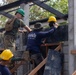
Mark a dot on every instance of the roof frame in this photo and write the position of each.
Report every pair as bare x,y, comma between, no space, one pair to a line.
58,14
37,2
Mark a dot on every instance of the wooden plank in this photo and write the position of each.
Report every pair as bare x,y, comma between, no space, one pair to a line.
50,44
38,67
73,52
74,73
42,63
58,48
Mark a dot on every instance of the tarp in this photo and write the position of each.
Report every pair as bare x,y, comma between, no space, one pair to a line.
54,63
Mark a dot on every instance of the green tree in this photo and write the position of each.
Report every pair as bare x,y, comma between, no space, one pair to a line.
60,5
37,12
3,18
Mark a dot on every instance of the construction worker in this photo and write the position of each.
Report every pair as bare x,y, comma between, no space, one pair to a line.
51,39
5,58
52,20
34,43
10,36
54,37
60,34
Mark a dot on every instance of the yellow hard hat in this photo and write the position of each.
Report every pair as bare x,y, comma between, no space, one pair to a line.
6,54
52,18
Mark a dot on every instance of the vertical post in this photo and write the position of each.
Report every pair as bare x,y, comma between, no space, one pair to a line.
75,24
26,21
75,32
26,9
71,34
23,69
26,18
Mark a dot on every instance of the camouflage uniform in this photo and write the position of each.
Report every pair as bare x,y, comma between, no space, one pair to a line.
10,36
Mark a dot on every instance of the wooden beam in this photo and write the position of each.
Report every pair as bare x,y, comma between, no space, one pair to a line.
58,48
74,73
73,52
50,44
38,67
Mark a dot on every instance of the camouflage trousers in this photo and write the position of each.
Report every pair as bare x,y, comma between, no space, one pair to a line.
38,58
9,43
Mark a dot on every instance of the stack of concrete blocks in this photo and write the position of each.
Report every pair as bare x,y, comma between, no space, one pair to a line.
21,47
66,57
1,40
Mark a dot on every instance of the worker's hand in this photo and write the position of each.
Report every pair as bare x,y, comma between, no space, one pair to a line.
56,25
21,31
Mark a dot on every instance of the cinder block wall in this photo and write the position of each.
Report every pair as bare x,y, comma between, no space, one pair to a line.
64,50
66,57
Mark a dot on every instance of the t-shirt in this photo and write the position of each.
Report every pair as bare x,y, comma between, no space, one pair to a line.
35,37
17,23
4,70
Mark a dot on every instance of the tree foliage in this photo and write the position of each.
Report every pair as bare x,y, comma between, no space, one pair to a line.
38,13
60,5
3,18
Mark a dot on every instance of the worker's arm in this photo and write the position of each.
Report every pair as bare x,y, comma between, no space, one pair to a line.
27,28
48,32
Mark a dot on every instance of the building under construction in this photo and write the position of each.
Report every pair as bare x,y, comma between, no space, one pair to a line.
65,47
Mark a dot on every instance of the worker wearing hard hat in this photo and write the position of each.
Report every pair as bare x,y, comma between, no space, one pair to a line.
52,21
52,18
10,35
5,58
34,41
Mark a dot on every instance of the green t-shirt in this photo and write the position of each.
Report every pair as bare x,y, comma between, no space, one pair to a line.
17,24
